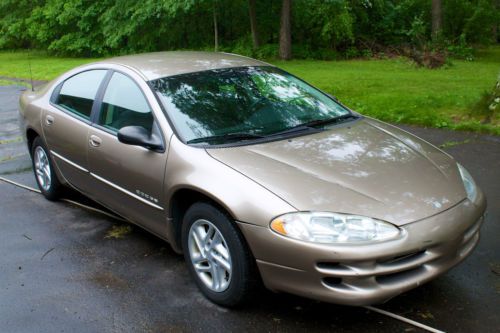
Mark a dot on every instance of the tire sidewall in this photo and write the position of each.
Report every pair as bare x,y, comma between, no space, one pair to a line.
239,260
53,192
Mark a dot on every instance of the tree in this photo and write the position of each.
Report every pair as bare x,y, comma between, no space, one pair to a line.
285,48
322,29
496,6
437,18
253,23
216,30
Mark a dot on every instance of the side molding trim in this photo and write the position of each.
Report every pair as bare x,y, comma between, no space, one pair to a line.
125,191
68,161
107,182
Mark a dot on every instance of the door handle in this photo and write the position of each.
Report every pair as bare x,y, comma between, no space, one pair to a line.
49,120
95,141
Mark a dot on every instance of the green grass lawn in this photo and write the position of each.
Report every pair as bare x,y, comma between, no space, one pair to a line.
44,67
397,91
393,90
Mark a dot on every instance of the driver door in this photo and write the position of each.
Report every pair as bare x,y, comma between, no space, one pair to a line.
128,179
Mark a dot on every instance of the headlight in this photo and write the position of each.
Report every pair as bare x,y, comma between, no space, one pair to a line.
469,184
333,228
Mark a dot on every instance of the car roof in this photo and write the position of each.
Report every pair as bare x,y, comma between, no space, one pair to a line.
161,64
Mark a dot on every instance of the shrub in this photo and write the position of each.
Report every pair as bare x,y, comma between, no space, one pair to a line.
489,104
461,50
267,51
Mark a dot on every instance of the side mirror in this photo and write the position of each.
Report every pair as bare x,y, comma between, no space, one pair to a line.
139,136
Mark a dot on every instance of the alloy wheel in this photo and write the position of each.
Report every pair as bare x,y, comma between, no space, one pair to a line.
42,168
210,255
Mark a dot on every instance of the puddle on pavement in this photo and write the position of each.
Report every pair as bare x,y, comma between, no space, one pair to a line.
108,280
13,152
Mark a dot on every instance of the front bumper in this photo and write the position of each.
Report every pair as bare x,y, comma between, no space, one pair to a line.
367,274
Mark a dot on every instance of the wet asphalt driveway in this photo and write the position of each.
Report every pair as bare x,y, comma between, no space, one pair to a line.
66,269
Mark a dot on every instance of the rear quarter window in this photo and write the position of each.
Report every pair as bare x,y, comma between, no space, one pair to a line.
78,93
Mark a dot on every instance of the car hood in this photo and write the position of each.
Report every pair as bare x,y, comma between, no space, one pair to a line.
365,168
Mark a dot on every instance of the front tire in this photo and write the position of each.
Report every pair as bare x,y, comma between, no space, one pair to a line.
43,168
217,255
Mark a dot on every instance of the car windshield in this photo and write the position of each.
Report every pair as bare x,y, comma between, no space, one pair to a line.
243,103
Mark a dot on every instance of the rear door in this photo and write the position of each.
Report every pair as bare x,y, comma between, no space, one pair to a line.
128,179
66,123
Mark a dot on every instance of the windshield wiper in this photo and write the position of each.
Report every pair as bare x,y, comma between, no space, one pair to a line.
334,120
313,124
297,128
308,126
226,136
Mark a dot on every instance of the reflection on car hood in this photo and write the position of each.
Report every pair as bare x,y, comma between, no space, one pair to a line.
368,168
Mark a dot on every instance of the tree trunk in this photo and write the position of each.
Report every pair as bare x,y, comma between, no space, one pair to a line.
216,31
437,18
494,29
253,23
185,34
285,50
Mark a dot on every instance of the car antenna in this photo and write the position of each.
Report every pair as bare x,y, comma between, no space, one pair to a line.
29,65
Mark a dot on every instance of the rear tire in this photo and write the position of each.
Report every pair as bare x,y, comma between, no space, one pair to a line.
45,176
217,256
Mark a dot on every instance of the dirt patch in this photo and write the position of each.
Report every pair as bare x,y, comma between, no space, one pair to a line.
10,157
119,231
14,140
495,268
449,144
108,280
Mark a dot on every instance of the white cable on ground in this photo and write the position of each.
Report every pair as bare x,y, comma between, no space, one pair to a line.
116,217
403,319
19,185
65,200
371,308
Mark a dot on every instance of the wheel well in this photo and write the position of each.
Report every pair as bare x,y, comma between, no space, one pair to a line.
30,137
180,203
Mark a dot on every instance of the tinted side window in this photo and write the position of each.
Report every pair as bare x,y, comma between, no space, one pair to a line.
124,104
78,92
